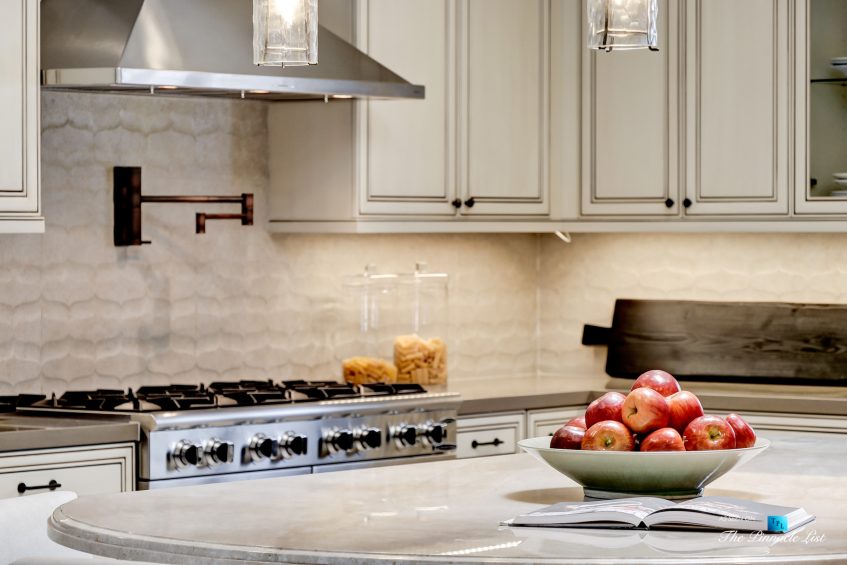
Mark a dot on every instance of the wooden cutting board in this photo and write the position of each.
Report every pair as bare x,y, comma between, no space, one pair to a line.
727,341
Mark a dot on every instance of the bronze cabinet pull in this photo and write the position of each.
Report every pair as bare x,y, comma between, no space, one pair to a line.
52,485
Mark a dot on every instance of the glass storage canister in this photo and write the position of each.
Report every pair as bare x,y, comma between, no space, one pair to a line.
420,351
369,323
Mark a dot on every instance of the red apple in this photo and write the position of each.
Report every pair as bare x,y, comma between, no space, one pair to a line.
708,432
579,422
744,434
645,410
685,406
607,407
664,439
567,437
608,435
661,381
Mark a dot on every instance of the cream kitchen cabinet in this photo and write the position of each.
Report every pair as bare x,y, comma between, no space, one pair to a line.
83,470
697,129
546,422
407,148
489,434
820,148
479,143
630,126
20,208
738,109
475,151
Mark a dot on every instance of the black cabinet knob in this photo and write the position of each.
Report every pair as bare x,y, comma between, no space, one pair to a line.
669,202
457,203
470,202
687,203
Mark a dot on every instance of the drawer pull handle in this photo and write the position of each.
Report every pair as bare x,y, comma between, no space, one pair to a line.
497,441
52,485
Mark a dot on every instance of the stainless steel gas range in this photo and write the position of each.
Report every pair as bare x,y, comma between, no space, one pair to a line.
254,429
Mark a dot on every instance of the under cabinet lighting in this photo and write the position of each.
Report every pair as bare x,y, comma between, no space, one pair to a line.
285,32
623,24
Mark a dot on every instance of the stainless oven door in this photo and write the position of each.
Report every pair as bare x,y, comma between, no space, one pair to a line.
228,477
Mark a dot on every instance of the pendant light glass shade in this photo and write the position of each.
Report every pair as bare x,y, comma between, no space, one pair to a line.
285,32
623,24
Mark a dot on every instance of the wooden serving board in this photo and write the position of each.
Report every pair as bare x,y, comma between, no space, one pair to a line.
727,341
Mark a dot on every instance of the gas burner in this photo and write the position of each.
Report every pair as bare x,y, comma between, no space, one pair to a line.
385,389
12,402
249,393
320,390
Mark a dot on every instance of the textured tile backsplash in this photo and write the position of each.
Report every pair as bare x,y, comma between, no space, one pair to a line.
580,282
240,303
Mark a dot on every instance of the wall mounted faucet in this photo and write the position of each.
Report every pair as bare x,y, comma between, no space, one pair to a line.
128,200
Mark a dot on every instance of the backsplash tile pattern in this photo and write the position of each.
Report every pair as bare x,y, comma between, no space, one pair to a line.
239,303
236,303
579,282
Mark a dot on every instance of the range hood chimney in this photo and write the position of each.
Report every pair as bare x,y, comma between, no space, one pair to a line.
194,48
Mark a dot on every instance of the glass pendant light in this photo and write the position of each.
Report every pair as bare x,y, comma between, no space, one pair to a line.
285,32
623,24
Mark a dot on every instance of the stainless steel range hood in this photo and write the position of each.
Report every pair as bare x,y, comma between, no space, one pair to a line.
196,48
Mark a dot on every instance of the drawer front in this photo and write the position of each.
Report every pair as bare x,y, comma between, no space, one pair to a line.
546,422
489,435
83,470
81,479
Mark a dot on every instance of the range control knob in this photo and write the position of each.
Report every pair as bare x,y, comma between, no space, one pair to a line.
219,451
185,454
293,444
341,440
406,435
263,447
370,438
436,433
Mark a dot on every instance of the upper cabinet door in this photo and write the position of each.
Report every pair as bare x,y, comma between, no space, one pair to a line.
19,116
406,161
504,107
821,120
738,111
630,126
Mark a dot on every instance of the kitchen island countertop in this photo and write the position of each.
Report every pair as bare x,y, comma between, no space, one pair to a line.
449,512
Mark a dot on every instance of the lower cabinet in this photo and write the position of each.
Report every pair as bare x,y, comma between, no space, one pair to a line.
498,434
491,434
83,470
546,422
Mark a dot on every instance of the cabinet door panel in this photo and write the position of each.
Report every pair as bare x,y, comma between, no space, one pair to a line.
19,116
630,127
738,85
504,120
12,92
407,162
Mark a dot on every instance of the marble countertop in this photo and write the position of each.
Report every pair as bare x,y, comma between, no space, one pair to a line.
503,394
449,512
24,432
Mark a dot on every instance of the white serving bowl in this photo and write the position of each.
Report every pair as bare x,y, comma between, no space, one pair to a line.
615,474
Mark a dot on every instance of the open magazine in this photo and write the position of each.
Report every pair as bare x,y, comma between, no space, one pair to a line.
707,512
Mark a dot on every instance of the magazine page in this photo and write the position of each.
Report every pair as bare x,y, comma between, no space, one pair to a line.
630,511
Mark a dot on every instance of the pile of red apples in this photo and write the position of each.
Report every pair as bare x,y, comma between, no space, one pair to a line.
656,415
